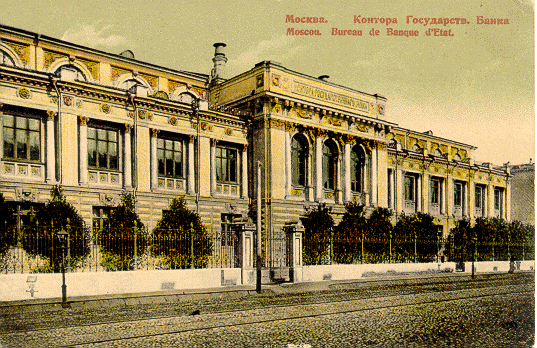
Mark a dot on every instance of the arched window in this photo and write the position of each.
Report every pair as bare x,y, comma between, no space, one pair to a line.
299,152
70,69
185,97
134,86
357,168
5,59
329,165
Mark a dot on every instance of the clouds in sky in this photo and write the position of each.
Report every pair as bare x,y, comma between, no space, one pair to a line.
280,49
94,35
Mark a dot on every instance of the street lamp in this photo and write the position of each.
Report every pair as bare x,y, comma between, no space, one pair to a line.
474,238
62,236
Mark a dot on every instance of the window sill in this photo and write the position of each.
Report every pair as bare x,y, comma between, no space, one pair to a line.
33,171
230,190
102,177
175,184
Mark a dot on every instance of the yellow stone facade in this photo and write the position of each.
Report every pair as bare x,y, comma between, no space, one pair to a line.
348,150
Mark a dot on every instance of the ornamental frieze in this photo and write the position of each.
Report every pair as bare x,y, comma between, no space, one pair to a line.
23,51
51,56
334,121
24,93
117,72
152,80
93,67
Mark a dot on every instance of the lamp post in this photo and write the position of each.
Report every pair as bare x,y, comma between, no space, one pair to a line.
474,239
62,235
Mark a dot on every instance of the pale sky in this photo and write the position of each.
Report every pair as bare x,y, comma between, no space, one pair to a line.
475,87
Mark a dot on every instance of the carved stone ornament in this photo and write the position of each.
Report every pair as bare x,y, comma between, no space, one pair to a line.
78,103
107,199
105,108
83,120
68,100
25,194
173,120
50,115
24,93
206,127
228,131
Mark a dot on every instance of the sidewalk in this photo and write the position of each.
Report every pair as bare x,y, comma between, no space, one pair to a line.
228,292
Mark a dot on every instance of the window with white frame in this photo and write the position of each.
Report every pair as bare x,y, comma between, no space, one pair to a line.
357,168
329,165
226,165
458,194
498,199
299,154
479,200
435,191
103,148
21,137
410,188
170,157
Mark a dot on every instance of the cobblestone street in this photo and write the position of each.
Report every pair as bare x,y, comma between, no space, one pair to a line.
488,312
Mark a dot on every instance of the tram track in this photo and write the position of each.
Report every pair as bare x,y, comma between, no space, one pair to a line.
295,313
349,297
352,290
341,291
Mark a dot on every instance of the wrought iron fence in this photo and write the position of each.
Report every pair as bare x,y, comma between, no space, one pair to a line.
39,250
356,249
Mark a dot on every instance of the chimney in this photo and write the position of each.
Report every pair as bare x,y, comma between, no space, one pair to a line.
219,61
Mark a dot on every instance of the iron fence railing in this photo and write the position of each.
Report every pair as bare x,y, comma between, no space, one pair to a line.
39,250
356,249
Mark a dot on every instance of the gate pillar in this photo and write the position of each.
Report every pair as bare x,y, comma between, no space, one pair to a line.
294,250
245,251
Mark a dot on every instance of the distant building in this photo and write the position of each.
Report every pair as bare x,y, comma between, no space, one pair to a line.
100,123
523,192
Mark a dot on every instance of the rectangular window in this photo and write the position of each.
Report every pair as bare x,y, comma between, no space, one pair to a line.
457,198
435,191
479,197
497,199
227,229
170,157
100,214
103,148
22,138
226,165
410,188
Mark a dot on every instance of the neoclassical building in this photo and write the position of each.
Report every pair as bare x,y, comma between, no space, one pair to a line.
100,123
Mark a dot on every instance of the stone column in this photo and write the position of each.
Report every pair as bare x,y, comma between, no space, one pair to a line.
374,176
51,152
191,178
419,199
213,166
153,159
391,189
337,184
490,200
347,173
244,172
127,163
319,169
288,171
83,150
